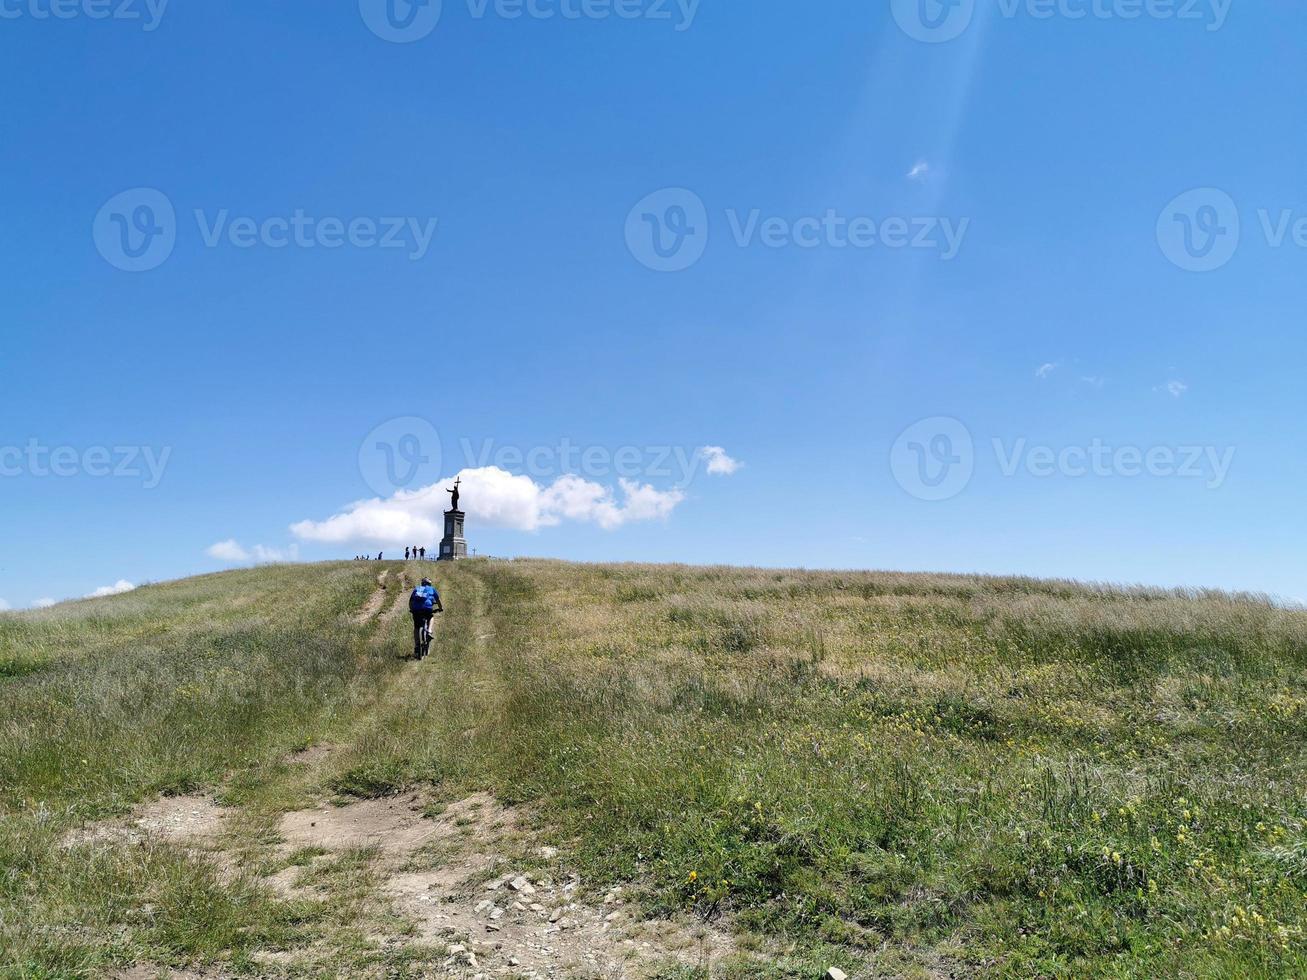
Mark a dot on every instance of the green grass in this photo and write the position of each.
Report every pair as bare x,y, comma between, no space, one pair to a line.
896,774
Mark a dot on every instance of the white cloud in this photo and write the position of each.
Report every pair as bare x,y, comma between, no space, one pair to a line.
118,588
228,550
719,463
1044,370
231,551
1176,389
495,498
43,603
919,172
1094,381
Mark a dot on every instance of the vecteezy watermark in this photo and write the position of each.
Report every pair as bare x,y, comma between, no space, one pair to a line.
405,455
300,230
401,454
406,21
35,459
938,21
678,464
401,21
935,459
1201,230
668,231
149,13
136,231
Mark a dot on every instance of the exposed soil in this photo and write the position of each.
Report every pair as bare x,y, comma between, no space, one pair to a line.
374,603
192,821
394,825
453,876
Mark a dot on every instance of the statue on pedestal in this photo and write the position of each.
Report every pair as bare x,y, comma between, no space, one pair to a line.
453,545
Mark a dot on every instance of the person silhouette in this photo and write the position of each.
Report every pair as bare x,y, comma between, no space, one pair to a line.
406,554
379,554
424,553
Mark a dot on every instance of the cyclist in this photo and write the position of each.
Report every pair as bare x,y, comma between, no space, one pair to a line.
423,603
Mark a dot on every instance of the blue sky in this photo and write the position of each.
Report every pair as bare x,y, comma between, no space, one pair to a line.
930,287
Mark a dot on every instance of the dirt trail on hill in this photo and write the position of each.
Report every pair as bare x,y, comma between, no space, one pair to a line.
452,874
400,605
467,882
374,603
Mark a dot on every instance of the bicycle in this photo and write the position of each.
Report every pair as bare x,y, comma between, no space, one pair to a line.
422,638
423,604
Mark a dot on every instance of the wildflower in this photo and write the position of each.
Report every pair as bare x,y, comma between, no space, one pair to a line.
694,876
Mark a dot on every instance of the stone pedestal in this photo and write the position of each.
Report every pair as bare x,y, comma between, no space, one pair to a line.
453,545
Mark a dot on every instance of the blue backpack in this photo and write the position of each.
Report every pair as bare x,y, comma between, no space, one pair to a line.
423,599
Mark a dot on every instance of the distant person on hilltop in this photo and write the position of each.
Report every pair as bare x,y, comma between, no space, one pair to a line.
424,553
406,554
379,554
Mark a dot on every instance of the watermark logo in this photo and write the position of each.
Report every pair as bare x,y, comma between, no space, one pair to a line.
406,21
836,231
37,460
1210,464
651,10
401,21
406,455
679,464
301,230
149,13
667,231
401,454
136,230
934,459
933,21
1199,231
937,21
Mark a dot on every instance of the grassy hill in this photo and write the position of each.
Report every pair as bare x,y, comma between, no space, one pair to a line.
899,775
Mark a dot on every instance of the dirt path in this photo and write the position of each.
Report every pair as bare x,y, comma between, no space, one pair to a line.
465,886
374,603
